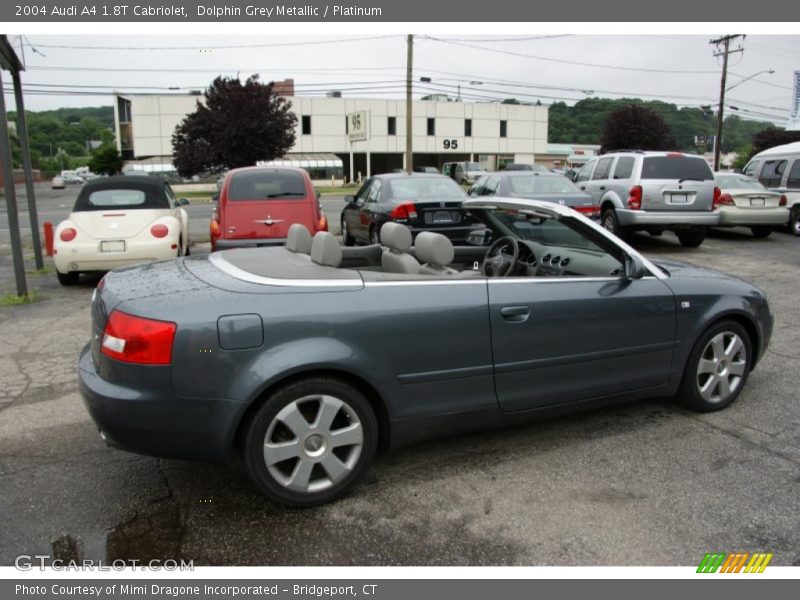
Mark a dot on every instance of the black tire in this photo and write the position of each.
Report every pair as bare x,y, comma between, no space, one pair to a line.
697,373
691,238
188,250
794,220
303,396
347,239
611,223
70,278
761,231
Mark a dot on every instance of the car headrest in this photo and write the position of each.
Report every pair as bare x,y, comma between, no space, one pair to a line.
434,249
396,237
298,239
325,249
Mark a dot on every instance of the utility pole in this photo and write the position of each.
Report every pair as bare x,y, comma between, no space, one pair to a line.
723,45
409,109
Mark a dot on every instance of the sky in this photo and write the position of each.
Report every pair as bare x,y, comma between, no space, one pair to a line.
69,70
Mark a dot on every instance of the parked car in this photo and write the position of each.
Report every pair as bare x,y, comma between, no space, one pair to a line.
308,363
534,185
425,170
256,206
58,183
778,169
422,201
118,221
652,191
463,173
526,167
743,201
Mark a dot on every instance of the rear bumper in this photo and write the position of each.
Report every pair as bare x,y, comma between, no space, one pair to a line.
86,256
454,234
224,244
157,424
667,219
753,216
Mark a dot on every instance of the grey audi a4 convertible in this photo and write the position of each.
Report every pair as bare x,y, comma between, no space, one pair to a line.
309,358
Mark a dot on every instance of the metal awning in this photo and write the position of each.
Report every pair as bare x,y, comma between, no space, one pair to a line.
304,161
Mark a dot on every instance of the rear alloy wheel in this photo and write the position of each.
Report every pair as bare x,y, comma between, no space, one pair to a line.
347,239
70,278
691,238
794,220
310,442
718,368
761,231
611,223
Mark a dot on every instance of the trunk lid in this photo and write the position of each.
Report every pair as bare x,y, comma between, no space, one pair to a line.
256,219
115,224
744,198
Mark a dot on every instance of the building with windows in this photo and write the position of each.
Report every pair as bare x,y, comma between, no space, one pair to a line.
491,133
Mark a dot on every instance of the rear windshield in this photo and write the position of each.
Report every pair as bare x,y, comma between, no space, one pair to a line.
524,185
737,181
676,167
424,188
267,185
122,197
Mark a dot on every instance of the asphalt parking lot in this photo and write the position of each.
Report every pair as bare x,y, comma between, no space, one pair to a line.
637,484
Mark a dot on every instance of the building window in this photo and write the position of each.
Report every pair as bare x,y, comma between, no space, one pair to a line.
306,125
431,126
467,127
503,128
391,126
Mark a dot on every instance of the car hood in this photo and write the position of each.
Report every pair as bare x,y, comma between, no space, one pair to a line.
699,276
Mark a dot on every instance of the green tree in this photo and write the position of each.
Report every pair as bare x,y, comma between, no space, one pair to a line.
636,127
106,160
239,124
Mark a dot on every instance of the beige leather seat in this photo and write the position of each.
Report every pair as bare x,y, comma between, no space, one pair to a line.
325,250
435,252
298,239
395,259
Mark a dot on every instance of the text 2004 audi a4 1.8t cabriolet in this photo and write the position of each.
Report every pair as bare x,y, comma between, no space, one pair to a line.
308,358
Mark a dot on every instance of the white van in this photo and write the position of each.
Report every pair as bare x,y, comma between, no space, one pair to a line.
778,169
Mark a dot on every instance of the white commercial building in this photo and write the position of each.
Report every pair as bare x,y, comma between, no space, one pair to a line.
492,133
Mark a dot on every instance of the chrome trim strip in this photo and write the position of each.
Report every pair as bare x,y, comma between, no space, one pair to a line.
481,281
444,375
223,265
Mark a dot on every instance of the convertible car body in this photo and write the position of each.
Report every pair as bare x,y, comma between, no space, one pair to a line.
309,357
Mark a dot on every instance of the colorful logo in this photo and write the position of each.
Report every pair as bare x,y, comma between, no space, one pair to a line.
734,562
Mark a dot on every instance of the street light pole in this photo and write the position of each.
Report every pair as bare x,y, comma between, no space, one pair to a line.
725,42
409,109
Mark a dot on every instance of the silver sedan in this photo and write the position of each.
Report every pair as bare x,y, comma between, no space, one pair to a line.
743,201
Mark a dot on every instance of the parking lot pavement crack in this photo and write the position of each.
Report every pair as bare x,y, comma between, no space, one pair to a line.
742,437
781,354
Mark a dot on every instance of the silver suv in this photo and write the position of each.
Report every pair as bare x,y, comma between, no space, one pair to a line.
652,191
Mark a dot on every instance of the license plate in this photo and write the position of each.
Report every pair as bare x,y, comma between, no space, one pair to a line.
756,201
112,246
679,198
442,216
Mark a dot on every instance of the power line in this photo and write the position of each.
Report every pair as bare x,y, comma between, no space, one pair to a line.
569,62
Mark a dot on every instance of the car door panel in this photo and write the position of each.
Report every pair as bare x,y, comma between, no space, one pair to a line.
353,213
562,340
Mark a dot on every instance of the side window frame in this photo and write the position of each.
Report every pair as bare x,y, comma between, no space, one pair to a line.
774,170
794,168
374,191
589,167
756,164
598,174
361,194
628,160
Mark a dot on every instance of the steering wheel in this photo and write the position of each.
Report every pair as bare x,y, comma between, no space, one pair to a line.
498,263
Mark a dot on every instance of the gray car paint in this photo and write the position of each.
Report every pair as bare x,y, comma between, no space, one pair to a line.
434,356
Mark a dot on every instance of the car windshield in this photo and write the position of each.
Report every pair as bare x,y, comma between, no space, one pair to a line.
738,182
676,166
543,230
424,188
526,185
267,184
118,198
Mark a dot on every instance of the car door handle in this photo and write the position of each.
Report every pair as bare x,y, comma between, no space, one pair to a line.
602,187
583,187
515,314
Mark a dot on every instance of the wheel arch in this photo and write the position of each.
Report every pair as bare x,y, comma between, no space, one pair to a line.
610,200
743,319
362,385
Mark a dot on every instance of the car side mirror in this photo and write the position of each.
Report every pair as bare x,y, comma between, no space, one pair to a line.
183,202
634,268
318,194
479,237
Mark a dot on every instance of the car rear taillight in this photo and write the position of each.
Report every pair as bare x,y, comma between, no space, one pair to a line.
159,231
68,234
588,211
782,201
722,199
404,211
215,230
138,340
717,194
635,198
322,225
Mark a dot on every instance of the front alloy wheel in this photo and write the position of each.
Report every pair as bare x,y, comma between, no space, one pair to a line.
794,220
310,442
718,368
